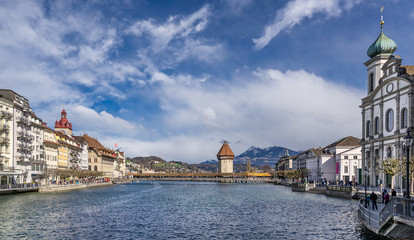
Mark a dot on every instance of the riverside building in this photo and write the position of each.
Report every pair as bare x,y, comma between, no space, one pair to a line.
70,150
100,158
51,145
24,163
6,141
387,109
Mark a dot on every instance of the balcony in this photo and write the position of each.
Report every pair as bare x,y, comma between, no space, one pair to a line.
6,168
4,127
4,140
23,120
74,154
4,114
24,158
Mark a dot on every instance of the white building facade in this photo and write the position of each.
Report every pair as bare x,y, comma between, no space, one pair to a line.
6,142
387,110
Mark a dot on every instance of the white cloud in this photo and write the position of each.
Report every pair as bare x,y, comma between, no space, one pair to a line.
85,119
174,27
236,6
295,11
264,108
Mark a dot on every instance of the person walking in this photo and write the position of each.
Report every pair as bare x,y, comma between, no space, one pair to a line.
384,191
393,193
386,198
374,200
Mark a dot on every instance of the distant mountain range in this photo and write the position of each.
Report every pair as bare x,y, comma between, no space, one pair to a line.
259,156
263,156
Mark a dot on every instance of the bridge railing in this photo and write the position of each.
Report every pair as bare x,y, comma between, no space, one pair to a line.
399,208
404,208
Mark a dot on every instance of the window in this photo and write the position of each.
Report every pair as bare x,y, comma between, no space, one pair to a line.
346,169
368,130
355,170
371,82
355,157
95,168
376,126
345,157
89,167
404,118
390,120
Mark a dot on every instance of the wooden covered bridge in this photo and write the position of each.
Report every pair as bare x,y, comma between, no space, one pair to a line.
208,177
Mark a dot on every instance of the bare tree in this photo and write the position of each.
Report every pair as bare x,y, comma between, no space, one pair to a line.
390,166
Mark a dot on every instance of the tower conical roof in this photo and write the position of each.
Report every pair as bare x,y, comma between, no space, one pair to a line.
382,46
225,150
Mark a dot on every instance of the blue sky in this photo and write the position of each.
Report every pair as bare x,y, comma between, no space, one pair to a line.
176,78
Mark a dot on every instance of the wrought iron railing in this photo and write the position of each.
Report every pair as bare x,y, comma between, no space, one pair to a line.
398,207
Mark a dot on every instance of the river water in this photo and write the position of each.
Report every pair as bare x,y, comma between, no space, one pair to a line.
179,210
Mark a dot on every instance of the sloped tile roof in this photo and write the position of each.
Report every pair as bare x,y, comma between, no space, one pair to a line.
349,141
93,143
225,150
410,69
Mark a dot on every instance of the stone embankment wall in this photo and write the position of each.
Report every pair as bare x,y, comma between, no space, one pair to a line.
302,187
58,188
341,192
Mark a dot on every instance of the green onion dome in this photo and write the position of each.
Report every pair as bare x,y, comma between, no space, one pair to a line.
383,45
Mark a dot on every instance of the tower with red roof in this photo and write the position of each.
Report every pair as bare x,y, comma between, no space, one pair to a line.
63,125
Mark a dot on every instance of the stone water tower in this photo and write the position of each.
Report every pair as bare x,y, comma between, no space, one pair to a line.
225,159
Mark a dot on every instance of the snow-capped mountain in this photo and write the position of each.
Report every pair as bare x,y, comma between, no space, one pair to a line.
263,156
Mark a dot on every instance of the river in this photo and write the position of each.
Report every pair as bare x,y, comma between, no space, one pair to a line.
180,210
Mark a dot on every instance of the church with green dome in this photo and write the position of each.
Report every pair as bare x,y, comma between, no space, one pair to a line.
387,111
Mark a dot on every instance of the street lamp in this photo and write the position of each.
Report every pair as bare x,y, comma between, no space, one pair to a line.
366,170
408,139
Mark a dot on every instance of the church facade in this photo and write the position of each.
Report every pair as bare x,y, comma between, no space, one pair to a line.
387,109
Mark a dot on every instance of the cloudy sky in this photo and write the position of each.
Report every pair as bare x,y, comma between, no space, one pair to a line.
176,78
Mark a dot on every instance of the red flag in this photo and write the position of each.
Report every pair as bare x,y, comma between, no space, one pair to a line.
116,144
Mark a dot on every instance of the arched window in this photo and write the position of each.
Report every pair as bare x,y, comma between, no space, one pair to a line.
390,120
371,82
404,118
89,167
376,125
95,168
389,152
368,130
